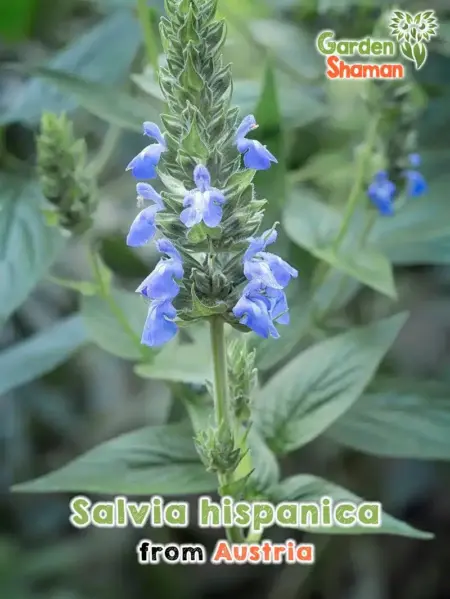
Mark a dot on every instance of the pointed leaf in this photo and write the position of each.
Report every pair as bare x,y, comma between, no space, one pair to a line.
305,488
40,354
314,389
314,226
153,460
399,419
28,246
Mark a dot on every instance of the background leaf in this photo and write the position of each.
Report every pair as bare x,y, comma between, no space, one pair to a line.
153,460
307,488
105,102
95,56
34,357
27,245
308,394
398,419
115,324
185,360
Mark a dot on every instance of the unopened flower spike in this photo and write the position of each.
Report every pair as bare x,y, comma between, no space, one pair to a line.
416,183
204,203
143,228
256,156
381,192
143,166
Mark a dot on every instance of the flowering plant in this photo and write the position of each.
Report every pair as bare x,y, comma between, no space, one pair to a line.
259,399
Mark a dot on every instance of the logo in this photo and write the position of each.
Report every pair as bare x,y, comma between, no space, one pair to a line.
411,32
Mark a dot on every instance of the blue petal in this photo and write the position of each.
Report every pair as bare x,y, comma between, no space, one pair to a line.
190,217
143,228
259,244
258,270
414,160
159,327
143,166
147,192
256,156
247,125
160,283
202,178
165,246
279,308
152,130
254,314
417,184
212,214
282,271
381,193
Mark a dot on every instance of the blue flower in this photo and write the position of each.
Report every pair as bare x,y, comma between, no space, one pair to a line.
204,203
159,327
257,310
417,184
381,192
146,192
143,228
161,283
143,166
270,270
256,156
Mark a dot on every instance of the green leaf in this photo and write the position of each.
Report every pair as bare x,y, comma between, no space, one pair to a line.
315,388
314,226
306,488
115,324
105,102
40,354
266,471
153,460
183,361
95,56
28,246
401,419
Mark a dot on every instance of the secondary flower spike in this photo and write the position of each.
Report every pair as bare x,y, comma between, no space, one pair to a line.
143,166
256,156
381,192
161,283
204,203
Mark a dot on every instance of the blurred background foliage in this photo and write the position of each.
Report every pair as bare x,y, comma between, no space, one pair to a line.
66,380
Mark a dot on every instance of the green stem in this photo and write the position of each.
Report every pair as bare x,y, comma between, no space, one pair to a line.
219,353
221,403
145,14
358,182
